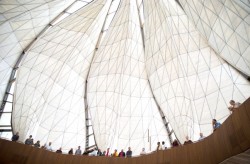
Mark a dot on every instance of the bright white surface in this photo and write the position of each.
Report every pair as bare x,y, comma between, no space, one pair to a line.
120,101
20,23
226,26
190,81
49,96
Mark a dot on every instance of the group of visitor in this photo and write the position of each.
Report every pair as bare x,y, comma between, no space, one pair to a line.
97,152
30,141
128,153
93,152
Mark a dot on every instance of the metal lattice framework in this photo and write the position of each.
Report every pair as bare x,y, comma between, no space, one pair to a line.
121,73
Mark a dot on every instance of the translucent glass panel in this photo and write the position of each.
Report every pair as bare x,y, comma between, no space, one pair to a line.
6,135
49,96
120,101
6,118
181,67
190,81
20,23
226,27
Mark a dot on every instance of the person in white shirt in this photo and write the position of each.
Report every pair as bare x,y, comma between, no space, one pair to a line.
143,151
163,145
93,153
48,147
78,151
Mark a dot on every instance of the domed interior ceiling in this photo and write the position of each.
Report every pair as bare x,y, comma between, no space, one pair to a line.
157,61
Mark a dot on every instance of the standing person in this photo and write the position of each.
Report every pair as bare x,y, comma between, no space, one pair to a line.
158,146
233,105
143,151
115,154
15,137
122,153
129,153
163,147
70,151
188,141
29,141
107,152
37,144
215,124
48,147
78,151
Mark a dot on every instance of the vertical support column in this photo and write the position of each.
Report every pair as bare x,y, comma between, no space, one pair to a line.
166,123
87,118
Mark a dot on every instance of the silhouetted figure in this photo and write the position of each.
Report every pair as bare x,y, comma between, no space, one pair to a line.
188,141
175,143
37,144
85,153
70,151
15,137
129,153
59,150
29,141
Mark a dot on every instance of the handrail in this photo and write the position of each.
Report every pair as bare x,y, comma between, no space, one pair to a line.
232,138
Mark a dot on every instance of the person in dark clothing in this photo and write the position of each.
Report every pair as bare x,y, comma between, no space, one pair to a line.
37,144
60,151
15,137
85,153
99,152
175,143
29,141
129,152
121,154
188,141
70,151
